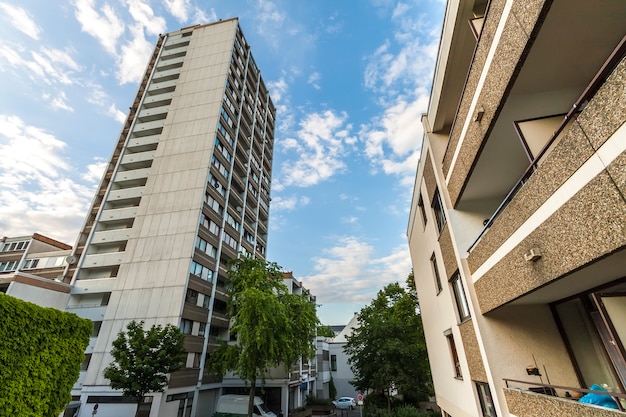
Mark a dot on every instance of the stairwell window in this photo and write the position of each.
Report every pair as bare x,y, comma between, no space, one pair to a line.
440,216
459,297
453,353
433,263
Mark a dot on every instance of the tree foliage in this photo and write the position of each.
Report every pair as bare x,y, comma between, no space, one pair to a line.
325,331
272,326
41,350
388,351
144,358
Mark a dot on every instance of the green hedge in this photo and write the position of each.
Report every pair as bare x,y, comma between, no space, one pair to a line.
41,350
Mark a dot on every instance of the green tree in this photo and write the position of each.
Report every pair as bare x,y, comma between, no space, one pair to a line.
144,358
325,331
272,326
388,351
41,350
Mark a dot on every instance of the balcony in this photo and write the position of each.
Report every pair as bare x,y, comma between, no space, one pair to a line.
537,114
552,401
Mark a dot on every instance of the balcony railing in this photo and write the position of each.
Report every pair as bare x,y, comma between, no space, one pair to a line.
548,389
600,78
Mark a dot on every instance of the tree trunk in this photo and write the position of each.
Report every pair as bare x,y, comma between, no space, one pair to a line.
389,399
251,399
139,401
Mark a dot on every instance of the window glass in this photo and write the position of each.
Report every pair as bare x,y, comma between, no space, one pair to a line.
440,216
453,353
433,263
486,402
459,297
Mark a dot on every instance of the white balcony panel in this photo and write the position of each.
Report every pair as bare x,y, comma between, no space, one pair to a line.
166,73
89,286
125,194
152,112
139,142
173,51
164,84
171,61
140,127
110,236
93,313
137,157
132,175
157,97
101,260
114,215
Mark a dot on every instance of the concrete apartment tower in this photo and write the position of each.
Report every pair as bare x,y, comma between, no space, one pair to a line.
517,228
186,189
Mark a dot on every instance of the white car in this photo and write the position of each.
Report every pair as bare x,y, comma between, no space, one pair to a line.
345,403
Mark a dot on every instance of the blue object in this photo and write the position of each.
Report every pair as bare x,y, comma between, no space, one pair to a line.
598,399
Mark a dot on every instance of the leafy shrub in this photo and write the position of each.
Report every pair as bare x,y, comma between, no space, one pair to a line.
41,350
313,400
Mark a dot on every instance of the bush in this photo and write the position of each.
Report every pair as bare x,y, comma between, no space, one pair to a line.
313,400
41,350
398,408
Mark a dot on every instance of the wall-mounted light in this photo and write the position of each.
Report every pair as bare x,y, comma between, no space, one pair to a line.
533,254
479,114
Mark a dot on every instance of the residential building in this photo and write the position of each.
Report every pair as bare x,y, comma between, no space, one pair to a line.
339,367
186,189
31,267
517,228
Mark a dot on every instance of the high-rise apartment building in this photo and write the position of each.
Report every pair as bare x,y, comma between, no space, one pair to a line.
517,229
186,189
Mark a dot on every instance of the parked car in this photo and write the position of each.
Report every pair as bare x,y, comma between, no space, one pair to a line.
345,403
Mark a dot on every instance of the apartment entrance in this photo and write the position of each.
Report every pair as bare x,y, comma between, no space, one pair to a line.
594,330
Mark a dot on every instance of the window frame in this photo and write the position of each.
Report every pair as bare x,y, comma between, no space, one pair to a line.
437,275
454,354
486,398
420,204
438,211
460,298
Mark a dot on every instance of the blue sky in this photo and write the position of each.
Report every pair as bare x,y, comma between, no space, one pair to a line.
350,80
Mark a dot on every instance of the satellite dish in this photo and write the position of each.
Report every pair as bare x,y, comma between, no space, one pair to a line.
71,259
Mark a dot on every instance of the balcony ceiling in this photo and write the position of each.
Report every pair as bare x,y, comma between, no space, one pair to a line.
575,40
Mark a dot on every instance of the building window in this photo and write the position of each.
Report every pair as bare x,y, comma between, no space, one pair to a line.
486,402
85,364
14,246
186,326
420,204
440,216
201,271
105,299
8,266
433,263
97,325
202,329
333,362
31,263
459,297
453,354
191,297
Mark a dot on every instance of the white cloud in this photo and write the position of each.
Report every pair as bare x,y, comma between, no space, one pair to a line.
49,66
319,146
144,16
21,20
400,72
289,203
95,170
60,102
352,265
105,25
37,194
270,21
116,113
179,9
133,57
314,80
